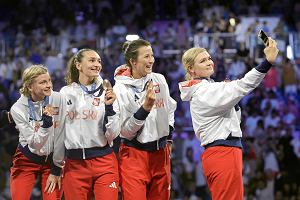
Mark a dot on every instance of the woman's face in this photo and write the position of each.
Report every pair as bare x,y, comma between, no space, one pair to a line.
40,87
90,65
144,62
203,66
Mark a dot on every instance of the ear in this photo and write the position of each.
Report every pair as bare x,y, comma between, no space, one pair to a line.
30,88
77,65
132,62
190,70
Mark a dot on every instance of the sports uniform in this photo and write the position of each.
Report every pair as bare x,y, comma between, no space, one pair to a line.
144,156
91,127
40,149
216,121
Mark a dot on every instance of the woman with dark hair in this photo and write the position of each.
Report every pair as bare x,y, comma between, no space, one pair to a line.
91,126
147,119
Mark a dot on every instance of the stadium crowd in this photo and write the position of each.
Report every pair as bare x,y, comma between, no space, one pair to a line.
49,32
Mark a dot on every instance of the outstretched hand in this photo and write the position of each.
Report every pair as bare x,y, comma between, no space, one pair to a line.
271,51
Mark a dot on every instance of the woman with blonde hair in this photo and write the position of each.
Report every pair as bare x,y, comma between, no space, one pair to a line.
39,118
216,118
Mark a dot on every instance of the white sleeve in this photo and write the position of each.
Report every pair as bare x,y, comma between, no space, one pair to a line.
129,125
36,139
59,146
219,97
113,123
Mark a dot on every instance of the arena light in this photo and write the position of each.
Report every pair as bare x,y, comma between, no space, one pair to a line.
289,52
232,21
132,37
74,50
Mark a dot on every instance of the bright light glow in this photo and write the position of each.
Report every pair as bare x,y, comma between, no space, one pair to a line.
132,37
289,52
232,21
74,50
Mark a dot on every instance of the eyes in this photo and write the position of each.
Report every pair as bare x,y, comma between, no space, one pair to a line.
93,60
205,59
44,82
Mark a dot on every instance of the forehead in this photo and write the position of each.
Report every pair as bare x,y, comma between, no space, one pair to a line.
145,50
90,54
202,55
42,77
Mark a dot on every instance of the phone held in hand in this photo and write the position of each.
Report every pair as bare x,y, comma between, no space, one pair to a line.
263,36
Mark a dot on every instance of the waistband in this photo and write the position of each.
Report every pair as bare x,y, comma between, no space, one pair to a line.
230,142
42,160
149,146
88,153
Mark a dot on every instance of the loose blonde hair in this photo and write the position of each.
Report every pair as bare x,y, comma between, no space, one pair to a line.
188,59
72,74
29,75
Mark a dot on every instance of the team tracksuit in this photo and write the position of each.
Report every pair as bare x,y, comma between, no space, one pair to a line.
40,145
144,158
91,126
216,122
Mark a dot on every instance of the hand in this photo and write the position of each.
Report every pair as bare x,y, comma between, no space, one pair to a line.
271,51
48,110
150,97
51,183
110,96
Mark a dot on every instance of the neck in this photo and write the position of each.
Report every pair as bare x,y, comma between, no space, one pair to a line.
84,80
35,98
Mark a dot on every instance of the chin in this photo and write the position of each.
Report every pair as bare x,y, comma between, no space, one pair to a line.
47,93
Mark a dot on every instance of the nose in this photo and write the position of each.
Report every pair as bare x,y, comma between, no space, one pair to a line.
49,84
152,60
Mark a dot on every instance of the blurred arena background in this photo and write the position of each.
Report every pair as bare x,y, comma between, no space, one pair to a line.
50,31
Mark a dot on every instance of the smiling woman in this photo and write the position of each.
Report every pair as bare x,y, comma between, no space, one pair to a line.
147,117
40,149
91,126
216,117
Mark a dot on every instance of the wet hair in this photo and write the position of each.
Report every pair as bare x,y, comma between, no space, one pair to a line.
28,77
188,59
130,49
72,74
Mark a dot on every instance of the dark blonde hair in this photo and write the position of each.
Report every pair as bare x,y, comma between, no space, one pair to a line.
130,49
188,59
72,74
28,77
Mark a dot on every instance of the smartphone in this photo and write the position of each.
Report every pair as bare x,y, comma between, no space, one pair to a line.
263,36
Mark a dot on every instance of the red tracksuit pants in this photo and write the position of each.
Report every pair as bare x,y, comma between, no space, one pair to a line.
23,175
99,175
222,168
144,175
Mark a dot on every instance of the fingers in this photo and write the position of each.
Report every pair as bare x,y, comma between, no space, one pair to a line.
272,43
59,183
110,96
106,84
48,110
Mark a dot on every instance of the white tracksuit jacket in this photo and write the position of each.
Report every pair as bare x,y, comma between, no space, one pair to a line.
85,118
131,97
212,105
41,141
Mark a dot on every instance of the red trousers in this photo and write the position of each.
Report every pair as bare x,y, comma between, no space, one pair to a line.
23,175
144,175
222,168
99,175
